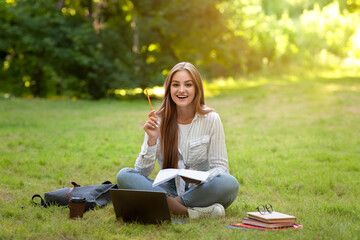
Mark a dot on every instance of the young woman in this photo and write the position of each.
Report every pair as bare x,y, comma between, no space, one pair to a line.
184,133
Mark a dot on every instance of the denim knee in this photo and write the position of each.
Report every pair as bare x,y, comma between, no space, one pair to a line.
123,176
221,189
230,189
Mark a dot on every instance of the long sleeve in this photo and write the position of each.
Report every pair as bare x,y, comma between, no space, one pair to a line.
145,162
217,154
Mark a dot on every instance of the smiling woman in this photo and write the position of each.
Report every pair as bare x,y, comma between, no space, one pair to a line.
185,134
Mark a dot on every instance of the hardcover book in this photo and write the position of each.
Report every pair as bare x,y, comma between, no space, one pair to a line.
254,222
274,217
247,226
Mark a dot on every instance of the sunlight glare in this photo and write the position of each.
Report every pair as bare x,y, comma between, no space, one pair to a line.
165,72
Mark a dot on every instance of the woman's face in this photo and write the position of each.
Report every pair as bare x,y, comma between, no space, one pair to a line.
182,89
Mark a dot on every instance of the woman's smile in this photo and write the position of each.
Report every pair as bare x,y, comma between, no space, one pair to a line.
182,97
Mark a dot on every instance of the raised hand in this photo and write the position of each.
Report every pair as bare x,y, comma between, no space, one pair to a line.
152,128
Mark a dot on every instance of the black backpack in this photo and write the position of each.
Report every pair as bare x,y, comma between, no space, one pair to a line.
94,195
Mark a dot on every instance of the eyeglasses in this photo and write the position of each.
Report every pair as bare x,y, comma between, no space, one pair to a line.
265,208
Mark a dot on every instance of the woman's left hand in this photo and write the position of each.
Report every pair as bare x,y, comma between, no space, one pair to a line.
189,180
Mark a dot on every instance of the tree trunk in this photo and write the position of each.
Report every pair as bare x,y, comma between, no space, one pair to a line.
98,25
38,89
135,48
60,4
89,5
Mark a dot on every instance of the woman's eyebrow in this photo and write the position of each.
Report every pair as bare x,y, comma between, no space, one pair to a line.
179,81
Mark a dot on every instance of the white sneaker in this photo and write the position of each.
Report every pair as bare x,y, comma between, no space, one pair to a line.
214,211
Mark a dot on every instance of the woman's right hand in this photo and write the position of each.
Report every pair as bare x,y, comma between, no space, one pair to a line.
152,128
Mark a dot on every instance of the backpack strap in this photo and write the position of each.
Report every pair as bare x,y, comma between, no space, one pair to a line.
71,189
107,182
42,202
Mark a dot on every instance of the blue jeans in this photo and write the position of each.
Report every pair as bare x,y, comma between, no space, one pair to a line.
221,189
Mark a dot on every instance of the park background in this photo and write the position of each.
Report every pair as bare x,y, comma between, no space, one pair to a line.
282,74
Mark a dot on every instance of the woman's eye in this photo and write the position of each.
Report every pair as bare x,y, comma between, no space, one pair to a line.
188,85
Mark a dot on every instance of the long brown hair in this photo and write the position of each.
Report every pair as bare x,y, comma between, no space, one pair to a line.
168,113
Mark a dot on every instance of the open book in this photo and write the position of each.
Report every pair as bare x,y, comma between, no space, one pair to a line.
169,173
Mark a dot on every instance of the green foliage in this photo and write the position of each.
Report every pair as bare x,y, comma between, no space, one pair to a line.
327,29
52,53
173,31
89,49
277,36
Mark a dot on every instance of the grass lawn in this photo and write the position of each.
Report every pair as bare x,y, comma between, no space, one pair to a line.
294,143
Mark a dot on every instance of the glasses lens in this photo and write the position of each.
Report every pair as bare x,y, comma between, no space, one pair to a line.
269,208
261,209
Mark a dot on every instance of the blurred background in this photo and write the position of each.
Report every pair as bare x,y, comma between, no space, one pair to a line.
94,49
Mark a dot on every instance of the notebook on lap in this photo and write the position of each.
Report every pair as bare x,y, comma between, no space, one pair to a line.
141,206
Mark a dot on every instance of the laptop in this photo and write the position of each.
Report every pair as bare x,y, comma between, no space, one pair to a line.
141,206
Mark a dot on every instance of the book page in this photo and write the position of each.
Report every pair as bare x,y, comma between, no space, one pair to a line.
165,175
193,174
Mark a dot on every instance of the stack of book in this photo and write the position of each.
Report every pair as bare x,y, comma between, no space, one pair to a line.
268,221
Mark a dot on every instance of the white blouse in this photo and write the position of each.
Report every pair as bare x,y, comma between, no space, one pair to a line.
203,148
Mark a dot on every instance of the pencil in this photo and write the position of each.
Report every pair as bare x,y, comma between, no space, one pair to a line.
149,100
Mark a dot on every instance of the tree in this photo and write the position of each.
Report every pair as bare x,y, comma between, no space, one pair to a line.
53,52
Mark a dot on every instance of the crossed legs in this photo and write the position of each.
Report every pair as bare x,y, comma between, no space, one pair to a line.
221,189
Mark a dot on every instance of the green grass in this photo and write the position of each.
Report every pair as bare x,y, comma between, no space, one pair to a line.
293,142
